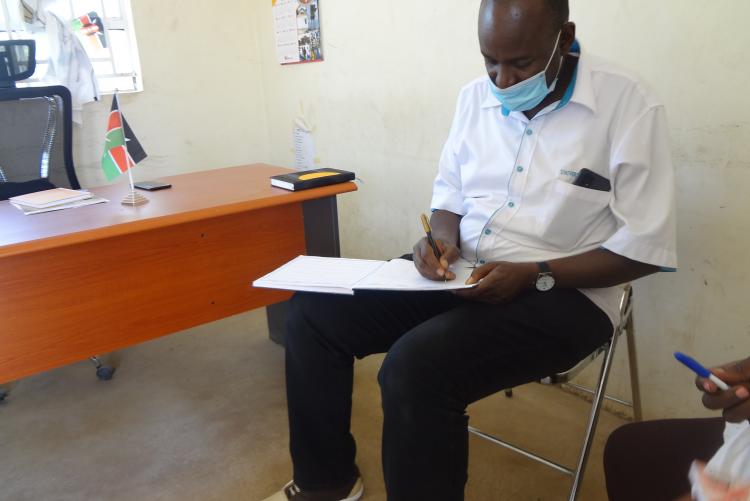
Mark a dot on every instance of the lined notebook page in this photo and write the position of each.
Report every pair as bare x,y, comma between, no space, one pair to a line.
319,274
400,274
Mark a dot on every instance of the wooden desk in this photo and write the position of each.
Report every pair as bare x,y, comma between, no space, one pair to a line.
90,280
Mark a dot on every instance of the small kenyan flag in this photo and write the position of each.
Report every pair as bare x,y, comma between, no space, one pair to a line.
93,26
81,22
119,157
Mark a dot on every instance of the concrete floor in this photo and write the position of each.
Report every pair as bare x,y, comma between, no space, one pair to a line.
201,415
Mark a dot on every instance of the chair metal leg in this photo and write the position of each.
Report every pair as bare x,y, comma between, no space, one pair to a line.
564,378
103,372
520,450
593,419
635,387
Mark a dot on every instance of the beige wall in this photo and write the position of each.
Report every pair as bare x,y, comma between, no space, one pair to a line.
186,121
694,54
381,104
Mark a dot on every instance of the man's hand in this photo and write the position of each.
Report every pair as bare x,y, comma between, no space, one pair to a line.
427,263
734,402
500,281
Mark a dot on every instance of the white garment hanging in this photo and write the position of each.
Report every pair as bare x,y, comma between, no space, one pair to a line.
69,64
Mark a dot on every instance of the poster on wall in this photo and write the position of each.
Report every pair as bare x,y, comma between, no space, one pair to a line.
297,24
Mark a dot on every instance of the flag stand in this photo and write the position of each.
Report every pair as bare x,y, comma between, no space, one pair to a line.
133,198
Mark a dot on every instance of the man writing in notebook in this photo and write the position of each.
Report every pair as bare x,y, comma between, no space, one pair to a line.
556,181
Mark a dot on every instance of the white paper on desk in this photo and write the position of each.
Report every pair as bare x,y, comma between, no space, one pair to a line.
345,276
71,205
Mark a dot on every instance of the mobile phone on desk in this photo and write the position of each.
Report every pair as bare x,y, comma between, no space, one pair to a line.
152,185
589,179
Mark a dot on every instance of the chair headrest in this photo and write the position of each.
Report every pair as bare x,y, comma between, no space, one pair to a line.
17,61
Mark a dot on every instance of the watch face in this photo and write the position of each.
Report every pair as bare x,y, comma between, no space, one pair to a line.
545,282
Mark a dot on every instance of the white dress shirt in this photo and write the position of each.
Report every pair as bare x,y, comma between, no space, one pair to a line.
510,178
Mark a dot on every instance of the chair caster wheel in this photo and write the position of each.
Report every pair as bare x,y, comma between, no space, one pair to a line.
508,393
105,373
3,395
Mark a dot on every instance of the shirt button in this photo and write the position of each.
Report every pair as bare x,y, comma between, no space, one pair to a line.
511,204
481,261
519,168
487,231
529,132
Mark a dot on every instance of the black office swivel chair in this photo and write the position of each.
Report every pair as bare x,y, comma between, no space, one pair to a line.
36,136
35,128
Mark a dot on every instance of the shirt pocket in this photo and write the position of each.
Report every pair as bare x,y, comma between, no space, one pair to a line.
570,213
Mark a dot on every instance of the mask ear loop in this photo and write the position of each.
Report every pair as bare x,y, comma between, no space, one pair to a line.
562,59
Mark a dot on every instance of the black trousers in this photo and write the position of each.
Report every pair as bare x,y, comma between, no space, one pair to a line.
650,460
442,354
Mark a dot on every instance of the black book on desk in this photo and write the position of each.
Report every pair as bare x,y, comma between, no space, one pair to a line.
304,179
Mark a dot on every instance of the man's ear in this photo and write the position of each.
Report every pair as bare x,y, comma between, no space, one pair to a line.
567,37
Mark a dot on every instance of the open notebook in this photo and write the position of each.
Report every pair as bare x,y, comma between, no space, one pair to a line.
338,275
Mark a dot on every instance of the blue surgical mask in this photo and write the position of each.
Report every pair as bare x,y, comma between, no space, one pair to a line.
527,94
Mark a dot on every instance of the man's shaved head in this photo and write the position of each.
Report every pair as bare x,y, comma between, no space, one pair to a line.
558,10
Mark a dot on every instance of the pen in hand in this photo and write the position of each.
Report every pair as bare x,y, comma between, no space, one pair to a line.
700,370
428,231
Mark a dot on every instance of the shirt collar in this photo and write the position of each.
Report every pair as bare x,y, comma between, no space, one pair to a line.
580,90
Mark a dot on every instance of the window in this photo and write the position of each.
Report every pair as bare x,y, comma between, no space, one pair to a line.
115,61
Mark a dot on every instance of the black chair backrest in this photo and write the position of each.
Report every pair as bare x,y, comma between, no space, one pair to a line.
36,140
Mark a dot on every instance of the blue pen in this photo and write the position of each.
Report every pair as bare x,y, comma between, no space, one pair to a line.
700,370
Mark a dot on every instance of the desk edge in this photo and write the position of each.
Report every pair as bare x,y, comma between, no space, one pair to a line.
160,222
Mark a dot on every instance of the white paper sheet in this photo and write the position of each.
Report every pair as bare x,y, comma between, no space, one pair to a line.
304,149
400,274
321,274
72,205
345,276
285,21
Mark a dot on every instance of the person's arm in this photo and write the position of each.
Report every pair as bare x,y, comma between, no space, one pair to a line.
445,232
597,268
503,281
734,402
445,226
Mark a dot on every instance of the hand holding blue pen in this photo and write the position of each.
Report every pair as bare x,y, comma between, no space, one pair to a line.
700,370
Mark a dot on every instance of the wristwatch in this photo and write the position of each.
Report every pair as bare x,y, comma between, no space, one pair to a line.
544,280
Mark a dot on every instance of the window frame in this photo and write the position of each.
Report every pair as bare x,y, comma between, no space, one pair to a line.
124,22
